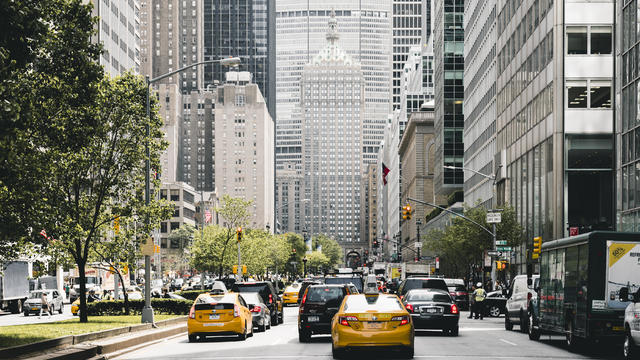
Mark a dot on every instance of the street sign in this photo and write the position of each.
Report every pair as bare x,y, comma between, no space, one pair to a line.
501,242
494,253
417,244
494,218
573,231
426,257
503,248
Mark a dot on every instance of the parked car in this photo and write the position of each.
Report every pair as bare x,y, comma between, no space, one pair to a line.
518,302
33,303
421,283
495,303
631,346
318,306
432,309
268,292
259,311
458,291
176,284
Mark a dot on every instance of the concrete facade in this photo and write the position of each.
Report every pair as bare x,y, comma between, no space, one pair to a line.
119,32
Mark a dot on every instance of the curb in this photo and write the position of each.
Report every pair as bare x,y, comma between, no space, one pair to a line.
113,345
77,341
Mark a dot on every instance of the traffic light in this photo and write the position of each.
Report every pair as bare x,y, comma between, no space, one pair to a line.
537,246
375,243
501,265
406,212
239,234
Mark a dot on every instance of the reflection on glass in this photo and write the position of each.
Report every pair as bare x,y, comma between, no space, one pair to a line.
600,97
577,96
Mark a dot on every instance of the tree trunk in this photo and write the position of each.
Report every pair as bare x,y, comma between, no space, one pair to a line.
124,293
224,249
83,291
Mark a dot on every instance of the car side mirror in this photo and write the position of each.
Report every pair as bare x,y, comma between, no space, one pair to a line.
623,294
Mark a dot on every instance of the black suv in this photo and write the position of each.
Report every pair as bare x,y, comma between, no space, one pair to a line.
421,283
304,285
267,292
318,306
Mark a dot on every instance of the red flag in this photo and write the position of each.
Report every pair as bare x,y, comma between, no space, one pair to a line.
207,216
385,172
43,233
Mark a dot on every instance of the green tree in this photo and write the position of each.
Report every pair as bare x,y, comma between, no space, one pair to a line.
330,248
295,242
317,262
463,243
235,214
49,75
104,180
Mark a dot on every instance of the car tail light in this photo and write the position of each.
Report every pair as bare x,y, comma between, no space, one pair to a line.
304,299
344,320
270,298
256,309
236,310
192,312
528,296
409,307
404,320
454,308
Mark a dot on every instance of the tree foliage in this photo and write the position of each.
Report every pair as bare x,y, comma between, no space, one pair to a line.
317,262
463,243
330,248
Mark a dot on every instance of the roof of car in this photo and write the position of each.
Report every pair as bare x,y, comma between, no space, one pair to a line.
328,285
429,290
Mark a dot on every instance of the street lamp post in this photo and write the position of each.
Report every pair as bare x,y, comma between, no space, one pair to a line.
304,267
147,310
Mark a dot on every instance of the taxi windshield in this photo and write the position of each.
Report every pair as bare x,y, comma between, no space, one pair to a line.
208,299
361,303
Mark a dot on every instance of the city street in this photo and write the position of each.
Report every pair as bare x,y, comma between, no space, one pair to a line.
486,339
7,319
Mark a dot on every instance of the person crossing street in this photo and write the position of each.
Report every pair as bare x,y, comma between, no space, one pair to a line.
478,296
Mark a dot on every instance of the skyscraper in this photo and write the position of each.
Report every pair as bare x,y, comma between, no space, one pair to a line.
411,27
448,47
244,29
333,103
480,99
119,33
300,31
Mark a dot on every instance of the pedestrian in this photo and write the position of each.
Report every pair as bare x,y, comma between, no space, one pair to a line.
472,302
479,295
44,305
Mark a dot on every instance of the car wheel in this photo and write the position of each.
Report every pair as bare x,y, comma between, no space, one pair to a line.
409,352
494,311
629,348
336,353
304,336
26,313
280,318
243,336
268,321
534,334
193,338
508,325
523,323
262,328
573,343
274,319
454,331
61,309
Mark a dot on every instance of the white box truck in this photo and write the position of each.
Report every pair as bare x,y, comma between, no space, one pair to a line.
14,285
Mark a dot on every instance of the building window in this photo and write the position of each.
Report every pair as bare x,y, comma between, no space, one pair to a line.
600,40
163,243
176,211
163,227
163,194
576,40
577,94
175,195
175,225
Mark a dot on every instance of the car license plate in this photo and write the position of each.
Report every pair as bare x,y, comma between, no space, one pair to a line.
213,324
34,309
313,318
374,325
214,317
618,328
431,310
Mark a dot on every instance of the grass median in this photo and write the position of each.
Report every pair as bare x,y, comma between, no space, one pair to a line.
14,335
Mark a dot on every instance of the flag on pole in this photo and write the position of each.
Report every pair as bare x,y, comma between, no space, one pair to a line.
385,172
44,233
207,216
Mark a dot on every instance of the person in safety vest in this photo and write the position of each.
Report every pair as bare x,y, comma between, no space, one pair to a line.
478,296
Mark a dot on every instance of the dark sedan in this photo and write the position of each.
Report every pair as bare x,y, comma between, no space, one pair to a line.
432,309
495,303
259,311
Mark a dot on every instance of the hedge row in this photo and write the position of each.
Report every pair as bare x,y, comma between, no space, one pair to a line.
191,294
160,306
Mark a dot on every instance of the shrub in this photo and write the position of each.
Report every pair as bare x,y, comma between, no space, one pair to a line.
160,306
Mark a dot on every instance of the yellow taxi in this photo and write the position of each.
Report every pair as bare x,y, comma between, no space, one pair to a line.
224,314
290,295
371,321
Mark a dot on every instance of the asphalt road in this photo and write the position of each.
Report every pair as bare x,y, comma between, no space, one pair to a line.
7,319
486,339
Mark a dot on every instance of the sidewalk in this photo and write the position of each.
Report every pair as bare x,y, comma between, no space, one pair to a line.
98,343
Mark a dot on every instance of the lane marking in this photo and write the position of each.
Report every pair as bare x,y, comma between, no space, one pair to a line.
508,342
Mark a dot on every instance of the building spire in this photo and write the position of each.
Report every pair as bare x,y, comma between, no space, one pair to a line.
332,34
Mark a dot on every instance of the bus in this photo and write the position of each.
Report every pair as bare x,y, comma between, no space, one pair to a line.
580,280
